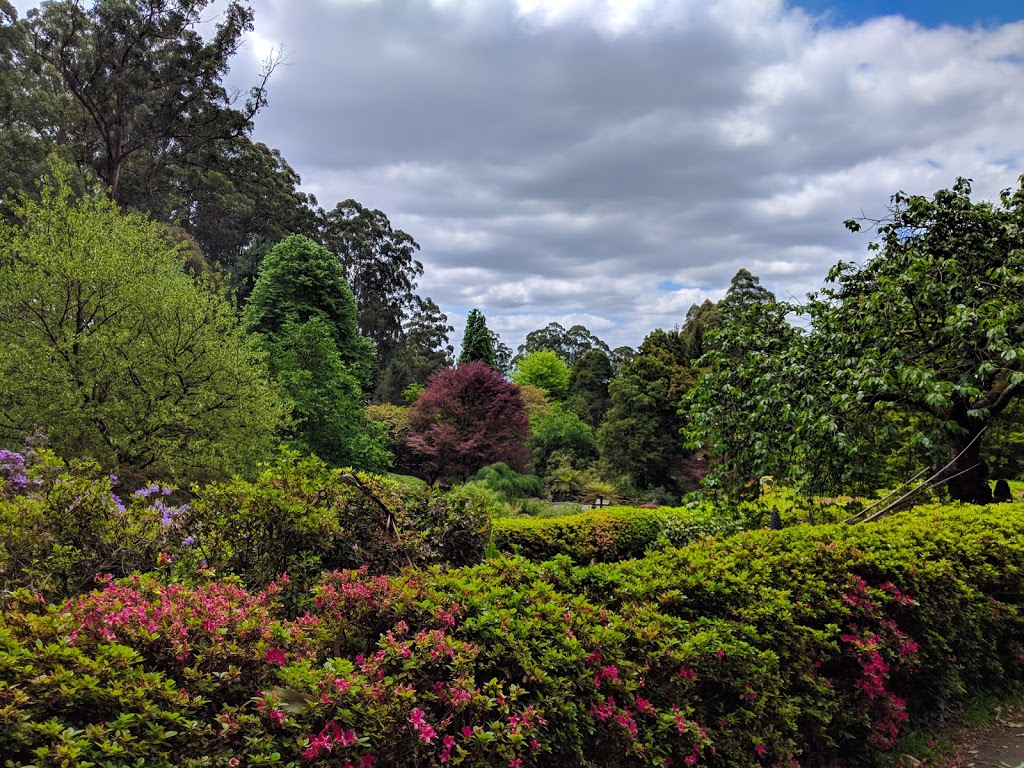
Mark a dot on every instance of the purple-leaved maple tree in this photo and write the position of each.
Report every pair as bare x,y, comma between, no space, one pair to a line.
466,418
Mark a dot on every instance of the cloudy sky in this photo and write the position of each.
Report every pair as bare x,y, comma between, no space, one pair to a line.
611,162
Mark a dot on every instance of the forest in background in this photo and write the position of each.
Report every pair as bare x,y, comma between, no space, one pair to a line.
175,306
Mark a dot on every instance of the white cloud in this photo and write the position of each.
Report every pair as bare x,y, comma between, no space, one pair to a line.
560,159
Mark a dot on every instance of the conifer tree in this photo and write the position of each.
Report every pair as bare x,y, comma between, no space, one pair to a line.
477,342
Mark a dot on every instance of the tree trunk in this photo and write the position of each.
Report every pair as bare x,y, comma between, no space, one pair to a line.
971,487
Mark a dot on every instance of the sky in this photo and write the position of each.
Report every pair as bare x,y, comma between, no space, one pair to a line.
612,162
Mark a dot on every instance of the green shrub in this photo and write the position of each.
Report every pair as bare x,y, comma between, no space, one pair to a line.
61,523
615,533
502,478
299,516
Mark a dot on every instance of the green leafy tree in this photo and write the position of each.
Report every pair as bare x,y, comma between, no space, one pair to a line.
560,431
330,419
477,341
546,371
588,387
112,350
740,410
379,264
640,437
570,345
146,91
300,280
933,322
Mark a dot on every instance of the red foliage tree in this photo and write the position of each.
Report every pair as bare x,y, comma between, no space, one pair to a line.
466,418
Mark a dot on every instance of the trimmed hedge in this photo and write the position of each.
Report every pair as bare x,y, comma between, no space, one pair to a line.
606,535
769,648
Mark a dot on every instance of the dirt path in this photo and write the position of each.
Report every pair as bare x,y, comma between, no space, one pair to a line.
998,745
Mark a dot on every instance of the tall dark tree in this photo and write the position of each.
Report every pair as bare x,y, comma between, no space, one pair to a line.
640,437
745,290
424,349
570,345
620,357
379,265
300,280
132,94
477,340
147,90
26,136
701,319
588,387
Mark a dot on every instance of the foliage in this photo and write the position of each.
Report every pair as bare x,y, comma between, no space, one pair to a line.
378,263
932,323
740,410
570,345
140,91
466,418
300,280
61,523
133,94
423,350
477,340
298,516
606,535
535,400
546,371
560,431
640,438
745,293
790,647
394,421
329,417
701,319
111,349
502,478
588,387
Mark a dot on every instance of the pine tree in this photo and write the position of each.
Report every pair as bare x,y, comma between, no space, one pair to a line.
477,342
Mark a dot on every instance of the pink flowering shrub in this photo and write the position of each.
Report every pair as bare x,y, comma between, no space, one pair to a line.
781,648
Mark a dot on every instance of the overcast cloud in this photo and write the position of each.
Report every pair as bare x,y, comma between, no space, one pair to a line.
611,162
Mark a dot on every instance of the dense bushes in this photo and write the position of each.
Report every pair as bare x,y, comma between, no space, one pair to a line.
770,648
60,524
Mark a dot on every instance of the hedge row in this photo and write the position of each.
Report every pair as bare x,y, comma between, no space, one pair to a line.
769,648
606,535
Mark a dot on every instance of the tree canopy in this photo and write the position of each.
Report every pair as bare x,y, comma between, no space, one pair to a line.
933,322
570,345
546,371
300,280
108,346
466,418
477,340
379,265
